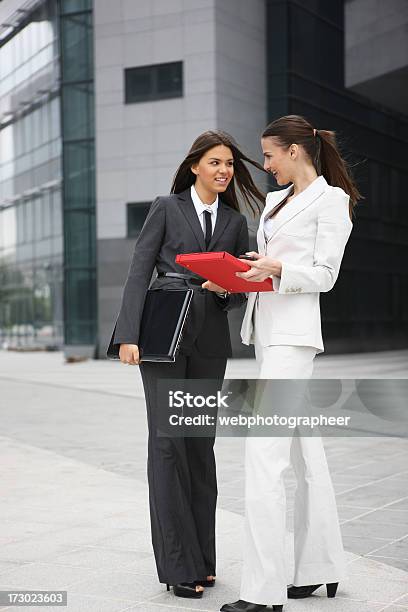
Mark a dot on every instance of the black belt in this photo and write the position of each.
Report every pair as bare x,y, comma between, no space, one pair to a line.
187,277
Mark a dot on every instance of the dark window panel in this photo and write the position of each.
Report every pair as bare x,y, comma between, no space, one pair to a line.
75,6
307,57
138,84
77,115
79,232
367,308
80,305
331,11
136,215
76,43
170,78
155,82
78,175
80,324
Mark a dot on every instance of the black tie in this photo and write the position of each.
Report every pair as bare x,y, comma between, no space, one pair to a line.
207,228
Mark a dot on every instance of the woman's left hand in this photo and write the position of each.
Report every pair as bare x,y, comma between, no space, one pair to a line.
212,287
261,269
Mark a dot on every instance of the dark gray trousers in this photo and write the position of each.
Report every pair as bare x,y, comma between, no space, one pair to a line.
182,479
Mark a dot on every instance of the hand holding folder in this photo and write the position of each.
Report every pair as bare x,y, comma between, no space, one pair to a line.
161,329
221,268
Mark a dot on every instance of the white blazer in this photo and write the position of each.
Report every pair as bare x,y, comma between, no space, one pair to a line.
309,235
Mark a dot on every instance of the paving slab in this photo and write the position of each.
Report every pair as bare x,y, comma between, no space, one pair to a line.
74,508
117,572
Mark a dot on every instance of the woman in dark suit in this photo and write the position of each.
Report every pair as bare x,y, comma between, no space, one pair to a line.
201,214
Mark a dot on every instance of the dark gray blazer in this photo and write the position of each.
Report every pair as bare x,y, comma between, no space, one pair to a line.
172,227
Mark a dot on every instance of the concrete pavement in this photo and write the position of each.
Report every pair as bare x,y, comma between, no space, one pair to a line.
112,377
74,504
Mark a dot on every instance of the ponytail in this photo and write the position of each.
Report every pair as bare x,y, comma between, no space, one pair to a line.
333,167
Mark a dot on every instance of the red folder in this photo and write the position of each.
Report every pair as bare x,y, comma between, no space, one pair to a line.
220,268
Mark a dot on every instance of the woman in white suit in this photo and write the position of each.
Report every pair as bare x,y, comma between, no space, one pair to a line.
302,235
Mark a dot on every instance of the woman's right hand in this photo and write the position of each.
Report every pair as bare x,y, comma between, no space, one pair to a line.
129,354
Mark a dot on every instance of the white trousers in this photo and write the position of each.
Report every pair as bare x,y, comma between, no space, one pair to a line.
319,555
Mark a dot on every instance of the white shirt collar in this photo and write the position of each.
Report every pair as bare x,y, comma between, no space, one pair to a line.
273,197
198,204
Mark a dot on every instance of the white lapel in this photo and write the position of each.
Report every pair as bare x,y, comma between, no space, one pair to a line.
273,198
298,203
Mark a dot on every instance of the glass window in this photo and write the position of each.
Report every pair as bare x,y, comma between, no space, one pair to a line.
24,44
23,134
5,64
40,17
77,48
33,127
6,140
312,35
138,84
2,227
17,51
47,34
56,213
73,6
10,227
46,212
26,164
45,129
29,220
136,215
36,32
32,39
12,54
81,307
78,238
38,218
42,299
78,100
78,159
169,79
77,163
20,212
55,118
156,82
18,133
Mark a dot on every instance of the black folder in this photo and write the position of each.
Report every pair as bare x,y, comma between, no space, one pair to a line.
161,329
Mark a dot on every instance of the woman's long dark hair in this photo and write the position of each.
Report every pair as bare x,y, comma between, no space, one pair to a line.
320,146
184,177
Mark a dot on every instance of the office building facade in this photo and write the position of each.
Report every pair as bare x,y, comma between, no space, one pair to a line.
99,103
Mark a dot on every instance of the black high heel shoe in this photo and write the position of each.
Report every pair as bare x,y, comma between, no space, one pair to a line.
301,592
205,583
186,589
246,606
